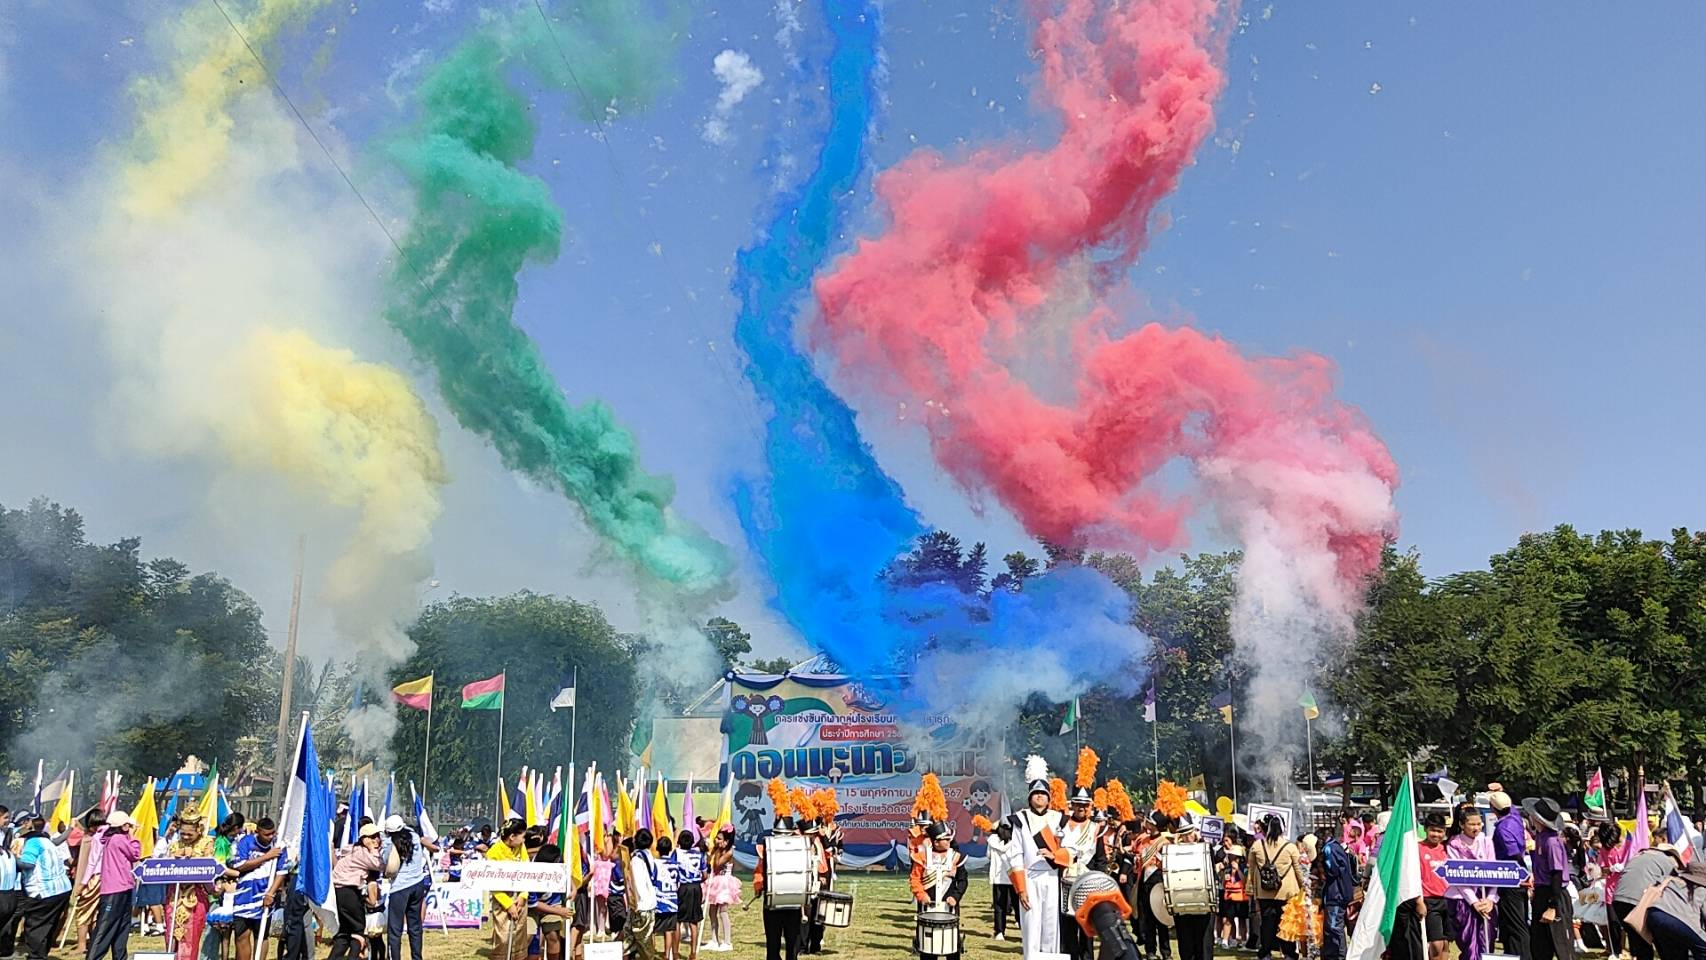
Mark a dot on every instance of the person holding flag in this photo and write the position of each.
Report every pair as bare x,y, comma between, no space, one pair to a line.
1392,902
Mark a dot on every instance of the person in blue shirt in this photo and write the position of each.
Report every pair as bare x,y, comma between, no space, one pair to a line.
690,868
47,885
11,892
256,858
667,880
407,905
550,910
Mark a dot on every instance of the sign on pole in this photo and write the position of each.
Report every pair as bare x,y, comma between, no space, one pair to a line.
1482,873
1213,828
515,876
187,870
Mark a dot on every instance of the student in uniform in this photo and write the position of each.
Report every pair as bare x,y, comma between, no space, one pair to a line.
782,924
690,891
668,880
939,878
642,889
549,910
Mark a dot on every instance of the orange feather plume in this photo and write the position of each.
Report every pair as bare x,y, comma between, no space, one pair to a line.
1121,800
1057,794
931,800
779,797
1170,799
1100,798
1087,761
981,822
828,805
803,805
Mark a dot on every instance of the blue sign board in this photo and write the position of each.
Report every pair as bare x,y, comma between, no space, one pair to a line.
1213,828
1483,873
188,870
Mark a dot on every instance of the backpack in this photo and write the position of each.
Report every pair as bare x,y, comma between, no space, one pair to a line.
1268,874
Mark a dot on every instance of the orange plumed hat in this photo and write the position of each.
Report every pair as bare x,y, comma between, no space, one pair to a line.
779,797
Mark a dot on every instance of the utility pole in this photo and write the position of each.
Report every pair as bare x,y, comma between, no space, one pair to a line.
282,752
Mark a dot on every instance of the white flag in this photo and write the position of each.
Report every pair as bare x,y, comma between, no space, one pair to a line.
564,699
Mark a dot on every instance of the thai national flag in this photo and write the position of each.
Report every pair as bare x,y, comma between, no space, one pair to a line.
1681,831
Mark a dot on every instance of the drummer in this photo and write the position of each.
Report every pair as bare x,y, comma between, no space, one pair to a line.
939,875
1195,931
1077,837
782,924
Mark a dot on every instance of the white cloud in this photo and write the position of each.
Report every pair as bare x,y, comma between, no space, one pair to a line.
739,77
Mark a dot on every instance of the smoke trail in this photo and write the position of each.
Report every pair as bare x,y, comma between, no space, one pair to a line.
478,220
739,77
214,323
941,306
829,518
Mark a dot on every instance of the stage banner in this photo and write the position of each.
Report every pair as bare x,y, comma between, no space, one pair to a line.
817,730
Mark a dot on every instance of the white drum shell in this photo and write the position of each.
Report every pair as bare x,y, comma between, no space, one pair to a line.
1187,879
938,933
787,871
835,909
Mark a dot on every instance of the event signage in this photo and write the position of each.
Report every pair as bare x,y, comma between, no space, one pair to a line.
1482,873
1257,812
828,730
1212,828
515,876
181,870
453,905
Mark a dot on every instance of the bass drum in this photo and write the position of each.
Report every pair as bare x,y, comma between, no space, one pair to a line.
1187,879
787,869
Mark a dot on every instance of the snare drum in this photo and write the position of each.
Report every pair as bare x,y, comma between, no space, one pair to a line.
1187,879
938,933
835,909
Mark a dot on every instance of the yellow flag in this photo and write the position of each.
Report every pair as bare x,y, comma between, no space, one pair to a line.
503,803
627,818
209,805
595,809
147,819
61,816
529,805
726,814
661,825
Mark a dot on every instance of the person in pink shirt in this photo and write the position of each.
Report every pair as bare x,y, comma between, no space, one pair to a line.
119,852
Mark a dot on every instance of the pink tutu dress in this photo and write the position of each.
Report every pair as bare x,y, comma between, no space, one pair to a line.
601,876
723,887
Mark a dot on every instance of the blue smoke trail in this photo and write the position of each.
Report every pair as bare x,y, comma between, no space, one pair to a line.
830,518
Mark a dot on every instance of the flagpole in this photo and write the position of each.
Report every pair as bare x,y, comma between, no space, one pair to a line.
574,715
1410,778
1232,739
501,704
426,755
1155,735
1309,734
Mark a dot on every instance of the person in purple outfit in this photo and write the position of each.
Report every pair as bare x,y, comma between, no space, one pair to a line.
1471,907
1550,932
1510,842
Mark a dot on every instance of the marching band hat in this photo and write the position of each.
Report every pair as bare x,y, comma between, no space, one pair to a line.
938,831
1081,797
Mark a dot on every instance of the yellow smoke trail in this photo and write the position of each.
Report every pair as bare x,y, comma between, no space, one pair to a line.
184,124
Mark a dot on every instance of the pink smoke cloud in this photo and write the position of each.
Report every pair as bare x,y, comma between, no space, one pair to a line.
938,308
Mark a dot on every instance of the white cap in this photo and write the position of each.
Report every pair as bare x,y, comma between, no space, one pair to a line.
394,824
118,818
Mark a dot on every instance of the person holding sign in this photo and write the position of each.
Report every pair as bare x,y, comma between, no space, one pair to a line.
509,910
1471,906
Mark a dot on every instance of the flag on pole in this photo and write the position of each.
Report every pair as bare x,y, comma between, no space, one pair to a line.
147,820
390,785
485,694
642,801
503,802
208,808
305,826
1594,797
564,699
1149,704
1070,721
1680,830
1310,710
569,841
595,809
416,693
1396,879
627,819
1223,702
661,823
421,819
60,818
1643,836
725,812
530,803
688,818
36,804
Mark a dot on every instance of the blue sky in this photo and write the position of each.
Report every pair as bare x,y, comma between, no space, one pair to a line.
1490,216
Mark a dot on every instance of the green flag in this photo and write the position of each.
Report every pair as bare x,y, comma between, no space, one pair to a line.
1070,721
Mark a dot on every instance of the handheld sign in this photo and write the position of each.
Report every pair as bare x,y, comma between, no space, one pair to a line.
187,870
1482,873
1212,828
515,876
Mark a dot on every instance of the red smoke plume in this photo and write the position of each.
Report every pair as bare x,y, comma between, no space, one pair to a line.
939,306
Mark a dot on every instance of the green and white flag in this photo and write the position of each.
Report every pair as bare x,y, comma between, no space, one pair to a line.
1071,719
1594,798
1397,879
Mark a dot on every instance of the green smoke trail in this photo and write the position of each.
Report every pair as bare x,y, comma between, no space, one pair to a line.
478,220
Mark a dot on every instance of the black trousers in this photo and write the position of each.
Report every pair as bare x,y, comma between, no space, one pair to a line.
1196,936
11,907
112,927
352,921
782,934
1638,945
296,945
403,911
1006,901
41,919
1152,934
1271,910
1555,940
1409,940
1513,921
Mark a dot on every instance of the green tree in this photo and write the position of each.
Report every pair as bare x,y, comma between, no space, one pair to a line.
538,642
730,641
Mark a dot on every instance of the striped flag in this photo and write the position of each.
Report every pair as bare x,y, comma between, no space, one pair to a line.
1680,831
485,694
1149,704
1397,878
415,693
1594,797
